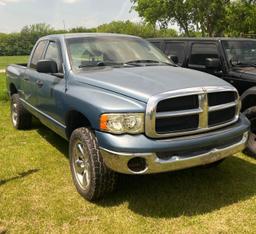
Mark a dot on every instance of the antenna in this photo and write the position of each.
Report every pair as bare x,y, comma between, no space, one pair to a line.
64,25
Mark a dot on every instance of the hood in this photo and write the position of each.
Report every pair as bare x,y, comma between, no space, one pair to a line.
143,82
247,70
247,73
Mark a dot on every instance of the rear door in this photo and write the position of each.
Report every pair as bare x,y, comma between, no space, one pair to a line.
157,43
30,77
199,52
176,48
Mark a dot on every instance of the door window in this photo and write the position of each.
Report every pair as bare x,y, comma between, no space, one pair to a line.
53,53
38,54
157,44
177,49
200,52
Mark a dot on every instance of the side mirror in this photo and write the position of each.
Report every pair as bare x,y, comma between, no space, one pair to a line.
212,63
47,66
174,58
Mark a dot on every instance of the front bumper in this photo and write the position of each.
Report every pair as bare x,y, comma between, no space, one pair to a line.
179,153
119,161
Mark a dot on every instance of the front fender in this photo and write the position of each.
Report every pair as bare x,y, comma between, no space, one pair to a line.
93,101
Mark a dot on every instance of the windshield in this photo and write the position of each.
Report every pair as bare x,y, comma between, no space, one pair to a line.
240,53
108,51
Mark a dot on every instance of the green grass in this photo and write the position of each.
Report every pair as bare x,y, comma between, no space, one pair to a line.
6,60
37,194
3,90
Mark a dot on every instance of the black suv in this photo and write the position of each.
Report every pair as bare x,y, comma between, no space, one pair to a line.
232,59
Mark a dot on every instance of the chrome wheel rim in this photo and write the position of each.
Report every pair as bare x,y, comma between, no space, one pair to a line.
252,142
14,114
81,165
252,134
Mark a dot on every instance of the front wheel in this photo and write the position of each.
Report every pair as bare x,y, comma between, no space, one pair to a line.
90,175
250,113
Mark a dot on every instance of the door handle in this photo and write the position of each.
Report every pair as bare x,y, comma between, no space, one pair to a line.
40,83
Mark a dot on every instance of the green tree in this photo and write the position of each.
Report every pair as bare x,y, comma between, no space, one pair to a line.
241,17
163,12
40,28
31,33
210,17
82,30
137,29
205,16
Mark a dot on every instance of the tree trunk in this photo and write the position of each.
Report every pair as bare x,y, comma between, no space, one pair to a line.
184,26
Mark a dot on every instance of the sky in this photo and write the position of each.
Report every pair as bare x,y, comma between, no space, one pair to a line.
14,14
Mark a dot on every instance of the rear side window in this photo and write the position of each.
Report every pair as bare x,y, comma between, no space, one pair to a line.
38,54
53,53
177,49
200,52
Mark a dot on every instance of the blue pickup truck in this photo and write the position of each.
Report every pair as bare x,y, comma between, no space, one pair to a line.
125,108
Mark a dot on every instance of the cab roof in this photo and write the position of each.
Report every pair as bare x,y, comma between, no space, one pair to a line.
78,35
202,39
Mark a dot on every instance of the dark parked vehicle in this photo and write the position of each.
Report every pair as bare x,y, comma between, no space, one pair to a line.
124,108
234,60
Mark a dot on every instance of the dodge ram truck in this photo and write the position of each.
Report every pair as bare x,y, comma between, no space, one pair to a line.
125,108
232,59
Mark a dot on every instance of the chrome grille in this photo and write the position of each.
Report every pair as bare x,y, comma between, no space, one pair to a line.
191,111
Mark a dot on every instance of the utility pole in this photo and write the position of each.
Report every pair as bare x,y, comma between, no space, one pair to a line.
64,25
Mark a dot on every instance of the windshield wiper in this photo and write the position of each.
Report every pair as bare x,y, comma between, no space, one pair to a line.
91,65
101,64
147,61
129,63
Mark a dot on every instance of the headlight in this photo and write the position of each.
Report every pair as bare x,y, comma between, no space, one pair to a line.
132,123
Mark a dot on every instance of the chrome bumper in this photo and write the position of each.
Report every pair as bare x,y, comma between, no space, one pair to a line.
119,161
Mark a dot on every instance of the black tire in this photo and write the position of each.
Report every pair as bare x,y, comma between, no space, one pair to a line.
90,175
21,118
214,164
250,113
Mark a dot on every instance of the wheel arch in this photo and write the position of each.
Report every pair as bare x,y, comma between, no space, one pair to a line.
75,119
12,89
248,98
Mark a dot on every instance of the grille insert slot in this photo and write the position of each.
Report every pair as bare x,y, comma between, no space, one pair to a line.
215,99
176,124
178,104
221,116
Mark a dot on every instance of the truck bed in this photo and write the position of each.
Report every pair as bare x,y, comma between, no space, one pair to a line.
14,74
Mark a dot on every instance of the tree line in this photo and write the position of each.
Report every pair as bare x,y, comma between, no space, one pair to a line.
201,17
22,43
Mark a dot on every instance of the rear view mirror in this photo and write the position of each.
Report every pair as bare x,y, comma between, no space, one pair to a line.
174,58
213,63
47,66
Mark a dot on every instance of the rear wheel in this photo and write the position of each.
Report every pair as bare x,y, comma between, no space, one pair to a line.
90,175
250,113
21,118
